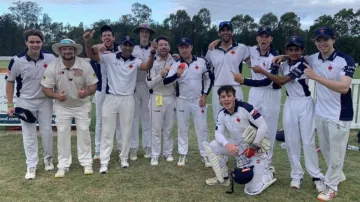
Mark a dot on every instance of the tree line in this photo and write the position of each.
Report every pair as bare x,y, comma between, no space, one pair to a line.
24,15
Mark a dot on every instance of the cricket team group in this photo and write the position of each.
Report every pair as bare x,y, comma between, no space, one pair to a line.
145,84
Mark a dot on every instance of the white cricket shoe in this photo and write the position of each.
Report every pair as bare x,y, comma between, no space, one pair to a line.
133,154
97,156
103,169
207,162
182,160
320,186
154,161
88,170
147,152
48,164
124,163
327,195
214,181
295,183
30,173
169,158
61,172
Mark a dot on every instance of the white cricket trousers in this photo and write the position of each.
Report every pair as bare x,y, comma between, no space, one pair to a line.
162,122
112,107
64,117
333,138
184,109
142,113
99,101
261,175
216,103
43,110
299,126
267,101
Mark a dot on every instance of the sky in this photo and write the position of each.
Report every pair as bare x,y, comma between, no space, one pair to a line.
89,11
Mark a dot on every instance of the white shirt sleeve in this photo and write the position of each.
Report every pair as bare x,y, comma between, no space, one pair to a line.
255,118
220,129
13,69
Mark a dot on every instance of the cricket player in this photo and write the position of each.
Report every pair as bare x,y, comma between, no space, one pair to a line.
162,103
227,57
108,45
298,114
264,95
27,69
121,80
70,80
193,87
265,98
236,117
142,95
332,71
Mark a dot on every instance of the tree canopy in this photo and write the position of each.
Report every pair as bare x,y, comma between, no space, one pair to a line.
25,15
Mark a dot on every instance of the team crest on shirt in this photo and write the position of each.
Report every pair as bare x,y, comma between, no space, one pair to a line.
330,68
258,161
45,66
264,64
61,73
238,119
44,77
131,66
78,72
94,75
202,111
196,67
233,52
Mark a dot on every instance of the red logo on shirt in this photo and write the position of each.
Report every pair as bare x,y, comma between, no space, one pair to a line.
130,66
197,67
330,68
238,120
258,161
45,65
233,52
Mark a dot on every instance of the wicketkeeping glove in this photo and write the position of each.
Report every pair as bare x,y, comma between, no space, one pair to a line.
265,144
249,134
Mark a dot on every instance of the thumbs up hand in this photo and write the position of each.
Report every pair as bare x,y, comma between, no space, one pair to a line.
61,96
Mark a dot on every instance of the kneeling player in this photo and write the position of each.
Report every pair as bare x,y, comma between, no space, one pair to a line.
237,117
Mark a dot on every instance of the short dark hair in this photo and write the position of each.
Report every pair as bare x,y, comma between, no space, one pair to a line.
33,32
106,28
227,89
163,38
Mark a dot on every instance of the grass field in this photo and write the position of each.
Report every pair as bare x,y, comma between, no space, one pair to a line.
142,182
4,63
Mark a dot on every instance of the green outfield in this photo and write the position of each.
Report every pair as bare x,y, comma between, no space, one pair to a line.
4,63
142,182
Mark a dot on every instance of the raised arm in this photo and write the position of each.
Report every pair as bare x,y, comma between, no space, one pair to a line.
87,36
149,63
